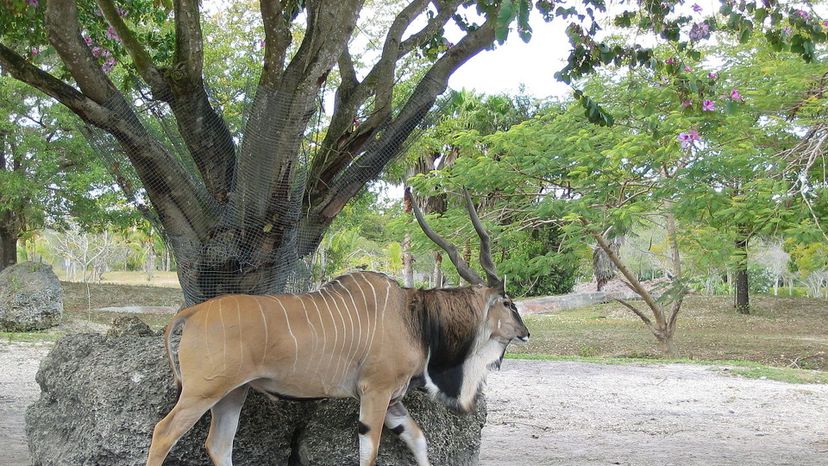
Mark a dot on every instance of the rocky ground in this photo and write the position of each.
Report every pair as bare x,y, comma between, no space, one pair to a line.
543,413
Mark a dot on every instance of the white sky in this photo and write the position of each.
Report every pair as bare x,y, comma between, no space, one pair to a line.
514,63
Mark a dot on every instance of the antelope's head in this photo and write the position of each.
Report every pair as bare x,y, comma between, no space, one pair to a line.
503,321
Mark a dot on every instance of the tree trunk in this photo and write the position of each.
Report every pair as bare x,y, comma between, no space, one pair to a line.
408,262
438,270
665,344
8,248
741,278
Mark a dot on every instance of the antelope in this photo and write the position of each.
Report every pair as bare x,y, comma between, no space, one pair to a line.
361,336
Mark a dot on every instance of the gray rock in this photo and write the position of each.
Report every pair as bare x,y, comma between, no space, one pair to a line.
128,325
101,397
30,297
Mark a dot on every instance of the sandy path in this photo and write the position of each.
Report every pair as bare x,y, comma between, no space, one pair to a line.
18,366
545,413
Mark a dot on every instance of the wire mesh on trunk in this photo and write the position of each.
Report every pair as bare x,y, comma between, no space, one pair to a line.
256,236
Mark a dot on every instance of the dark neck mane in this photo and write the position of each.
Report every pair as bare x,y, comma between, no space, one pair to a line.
447,322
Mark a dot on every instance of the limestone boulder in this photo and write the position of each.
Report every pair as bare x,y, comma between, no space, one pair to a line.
30,297
102,395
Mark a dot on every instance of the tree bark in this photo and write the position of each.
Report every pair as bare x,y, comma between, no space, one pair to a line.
741,278
8,247
438,269
408,262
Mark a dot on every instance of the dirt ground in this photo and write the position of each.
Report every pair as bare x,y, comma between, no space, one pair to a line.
545,413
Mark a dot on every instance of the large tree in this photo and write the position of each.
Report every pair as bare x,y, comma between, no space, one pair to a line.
239,209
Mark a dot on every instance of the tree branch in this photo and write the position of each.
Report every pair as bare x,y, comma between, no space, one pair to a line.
86,108
323,201
636,311
633,281
444,12
277,40
343,139
64,34
143,63
188,43
279,115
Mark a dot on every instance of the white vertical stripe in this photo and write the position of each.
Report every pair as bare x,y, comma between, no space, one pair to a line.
295,341
310,324
333,323
342,318
371,330
346,356
359,322
324,335
266,332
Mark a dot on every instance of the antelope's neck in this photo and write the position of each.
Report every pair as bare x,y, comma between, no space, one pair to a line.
455,342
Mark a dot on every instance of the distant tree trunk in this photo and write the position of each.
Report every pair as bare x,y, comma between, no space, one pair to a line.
741,277
10,220
602,266
438,270
408,262
8,247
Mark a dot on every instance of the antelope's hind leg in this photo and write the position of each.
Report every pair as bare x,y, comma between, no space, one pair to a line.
180,419
223,424
400,422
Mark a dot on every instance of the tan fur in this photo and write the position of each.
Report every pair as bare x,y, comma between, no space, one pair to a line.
358,336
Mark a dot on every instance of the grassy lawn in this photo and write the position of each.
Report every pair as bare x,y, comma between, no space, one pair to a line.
781,332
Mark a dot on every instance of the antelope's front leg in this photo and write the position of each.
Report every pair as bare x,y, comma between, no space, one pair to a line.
372,407
400,422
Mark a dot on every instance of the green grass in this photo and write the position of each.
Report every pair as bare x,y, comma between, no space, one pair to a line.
30,337
780,332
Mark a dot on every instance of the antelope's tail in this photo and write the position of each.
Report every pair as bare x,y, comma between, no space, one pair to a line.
179,318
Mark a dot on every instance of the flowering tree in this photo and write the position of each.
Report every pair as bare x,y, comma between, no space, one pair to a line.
239,205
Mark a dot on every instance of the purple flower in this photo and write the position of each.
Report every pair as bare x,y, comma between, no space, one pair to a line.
97,51
108,65
803,14
121,12
712,75
33,3
670,61
87,39
697,8
699,31
735,95
35,51
687,69
825,24
787,31
112,35
686,139
708,106
686,103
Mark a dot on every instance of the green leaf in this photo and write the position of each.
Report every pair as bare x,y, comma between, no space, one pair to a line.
504,20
